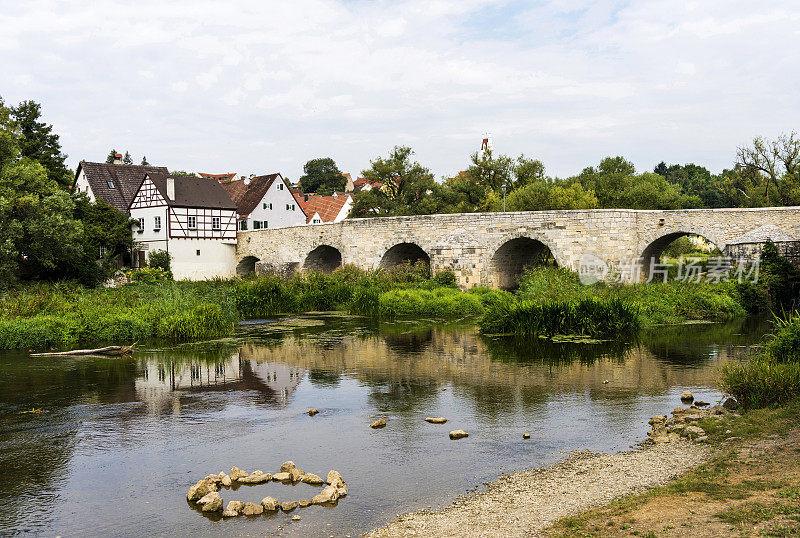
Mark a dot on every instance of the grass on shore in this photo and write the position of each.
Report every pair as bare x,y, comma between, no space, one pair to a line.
751,485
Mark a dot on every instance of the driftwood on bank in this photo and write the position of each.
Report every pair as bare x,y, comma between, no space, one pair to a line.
109,351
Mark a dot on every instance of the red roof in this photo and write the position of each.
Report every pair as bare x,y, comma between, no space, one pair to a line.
328,207
118,155
247,193
219,177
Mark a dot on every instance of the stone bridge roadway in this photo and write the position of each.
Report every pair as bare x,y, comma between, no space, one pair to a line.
491,249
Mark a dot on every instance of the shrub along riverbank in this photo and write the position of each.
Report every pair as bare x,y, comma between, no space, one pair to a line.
549,301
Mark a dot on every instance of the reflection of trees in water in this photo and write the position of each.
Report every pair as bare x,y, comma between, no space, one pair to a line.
408,341
37,448
324,378
406,395
695,344
511,349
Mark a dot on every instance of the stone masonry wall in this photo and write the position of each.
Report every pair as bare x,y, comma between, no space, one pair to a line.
467,243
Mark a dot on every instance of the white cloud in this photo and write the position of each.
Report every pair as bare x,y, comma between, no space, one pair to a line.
193,84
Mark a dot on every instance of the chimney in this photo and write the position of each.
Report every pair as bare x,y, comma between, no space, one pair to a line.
171,188
117,158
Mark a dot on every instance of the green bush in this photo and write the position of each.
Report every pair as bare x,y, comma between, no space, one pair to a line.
37,332
160,259
203,321
445,278
149,275
440,303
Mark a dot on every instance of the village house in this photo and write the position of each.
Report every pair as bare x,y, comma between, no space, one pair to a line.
321,209
264,202
116,184
192,218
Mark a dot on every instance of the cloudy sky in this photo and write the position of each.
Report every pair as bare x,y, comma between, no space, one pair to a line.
262,86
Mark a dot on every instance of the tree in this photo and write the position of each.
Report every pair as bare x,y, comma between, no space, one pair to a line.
777,162
144,161
408,188
38,142
106,231
542,195
182,173
490,171
322,176
527,171
111,157
127,159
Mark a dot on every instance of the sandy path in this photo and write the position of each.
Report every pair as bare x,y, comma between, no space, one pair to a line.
523,503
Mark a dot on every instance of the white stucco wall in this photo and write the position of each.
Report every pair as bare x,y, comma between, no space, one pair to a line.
278,216
216,259
82,185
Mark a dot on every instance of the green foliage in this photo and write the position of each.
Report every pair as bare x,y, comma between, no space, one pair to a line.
37,142
680,247
593,317
149,275
203,321
160,259
438,303
112,155
322,176
771,377
144,161
445,277
545,195
127,159
775,288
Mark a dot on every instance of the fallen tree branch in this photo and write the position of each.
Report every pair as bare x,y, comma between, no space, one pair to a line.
109,351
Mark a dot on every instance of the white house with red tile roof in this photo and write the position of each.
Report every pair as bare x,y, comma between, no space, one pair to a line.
321,209
264,202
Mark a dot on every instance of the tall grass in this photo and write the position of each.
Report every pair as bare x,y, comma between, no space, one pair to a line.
771,377
589,317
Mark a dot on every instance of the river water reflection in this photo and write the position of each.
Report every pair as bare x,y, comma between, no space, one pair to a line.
120,441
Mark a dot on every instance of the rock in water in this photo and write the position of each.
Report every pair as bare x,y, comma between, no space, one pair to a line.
237,474
226,481
687,396
236,506
312,412
458,434
229,513
270,503
296,518
436,420
287,466
282,477
295,474
258,477
253,509
211,502
304,503
378,424
730,404
288,506
526,436
312,479
335,479
201,489
327,495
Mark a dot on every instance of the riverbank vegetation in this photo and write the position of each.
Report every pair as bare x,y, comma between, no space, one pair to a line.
549,301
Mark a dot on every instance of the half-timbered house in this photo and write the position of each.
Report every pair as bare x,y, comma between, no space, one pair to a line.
114,183
192,218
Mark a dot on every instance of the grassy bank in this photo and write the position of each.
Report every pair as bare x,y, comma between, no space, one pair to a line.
772,375
549,302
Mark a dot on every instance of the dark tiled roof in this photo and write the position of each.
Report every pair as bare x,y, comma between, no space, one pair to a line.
328,207
193,192
248,193
126,179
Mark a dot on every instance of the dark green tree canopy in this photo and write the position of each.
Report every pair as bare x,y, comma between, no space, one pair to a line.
322,176
144,161
38,142
112,155
127,159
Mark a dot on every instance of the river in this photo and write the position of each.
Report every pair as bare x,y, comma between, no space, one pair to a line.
119,441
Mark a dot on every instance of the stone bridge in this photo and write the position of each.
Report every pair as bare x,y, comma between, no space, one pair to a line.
492,249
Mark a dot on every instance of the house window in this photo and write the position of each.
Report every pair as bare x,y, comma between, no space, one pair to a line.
266,225
243,224
268,206
141,225
156,224
280,186
192,222
292,207
256,224
215,223
317,221
110,184
198,252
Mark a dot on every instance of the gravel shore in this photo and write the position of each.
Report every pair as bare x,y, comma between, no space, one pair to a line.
524,503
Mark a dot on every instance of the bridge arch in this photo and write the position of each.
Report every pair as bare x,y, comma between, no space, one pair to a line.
247,266
653,247
515,256
404,253
324,259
